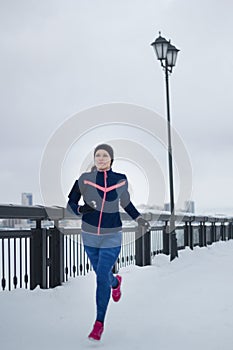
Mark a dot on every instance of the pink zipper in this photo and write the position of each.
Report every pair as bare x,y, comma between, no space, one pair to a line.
104,198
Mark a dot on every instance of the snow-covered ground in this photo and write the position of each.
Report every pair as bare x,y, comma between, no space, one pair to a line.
186,304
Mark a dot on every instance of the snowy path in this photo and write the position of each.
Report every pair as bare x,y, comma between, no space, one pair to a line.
183,305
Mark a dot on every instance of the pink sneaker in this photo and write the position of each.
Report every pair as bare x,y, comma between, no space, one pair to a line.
116,292
97,331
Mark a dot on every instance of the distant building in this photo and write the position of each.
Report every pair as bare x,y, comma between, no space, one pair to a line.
11,223
26,198
189,207
167,207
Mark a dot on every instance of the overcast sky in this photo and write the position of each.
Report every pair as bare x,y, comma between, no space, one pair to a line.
64,56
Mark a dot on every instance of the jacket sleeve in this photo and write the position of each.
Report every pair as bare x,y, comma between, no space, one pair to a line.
126,203
74,197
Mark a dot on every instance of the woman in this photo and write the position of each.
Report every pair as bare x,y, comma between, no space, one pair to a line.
102,191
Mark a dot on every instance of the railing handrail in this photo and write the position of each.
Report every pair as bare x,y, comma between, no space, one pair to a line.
35,212
39,212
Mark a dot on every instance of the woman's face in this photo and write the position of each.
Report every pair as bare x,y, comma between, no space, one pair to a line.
102,160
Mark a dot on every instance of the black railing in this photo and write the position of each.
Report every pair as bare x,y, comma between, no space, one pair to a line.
48,253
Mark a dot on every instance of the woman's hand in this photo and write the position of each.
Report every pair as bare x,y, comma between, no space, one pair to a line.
143,222
87,208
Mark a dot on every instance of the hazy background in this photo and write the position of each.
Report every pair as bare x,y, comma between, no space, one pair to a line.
60,57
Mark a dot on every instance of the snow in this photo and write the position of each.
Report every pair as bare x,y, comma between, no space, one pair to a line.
184,304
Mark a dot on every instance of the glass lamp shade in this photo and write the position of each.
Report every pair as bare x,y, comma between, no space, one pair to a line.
171,55
161,46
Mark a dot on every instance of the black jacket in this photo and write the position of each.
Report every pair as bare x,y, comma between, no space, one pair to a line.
108,189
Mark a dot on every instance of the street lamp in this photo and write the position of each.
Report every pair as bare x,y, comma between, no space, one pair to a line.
167,55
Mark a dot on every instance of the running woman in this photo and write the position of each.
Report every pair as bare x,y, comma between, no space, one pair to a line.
103,190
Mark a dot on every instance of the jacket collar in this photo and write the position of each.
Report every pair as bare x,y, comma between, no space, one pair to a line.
102,172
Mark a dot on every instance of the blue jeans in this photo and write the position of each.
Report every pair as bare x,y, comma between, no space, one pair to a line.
103,258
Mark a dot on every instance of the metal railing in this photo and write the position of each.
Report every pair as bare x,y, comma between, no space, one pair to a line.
46,256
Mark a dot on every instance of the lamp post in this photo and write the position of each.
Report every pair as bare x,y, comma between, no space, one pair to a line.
167,54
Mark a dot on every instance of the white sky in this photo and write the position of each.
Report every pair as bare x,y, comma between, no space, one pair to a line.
61,57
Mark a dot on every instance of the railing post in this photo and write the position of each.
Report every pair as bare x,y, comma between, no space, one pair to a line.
186,234
215,233
56,256
166,238
204,235
230,233
200,235
227,231
190,235
143,247
223,232
38,257
147,248
212,232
